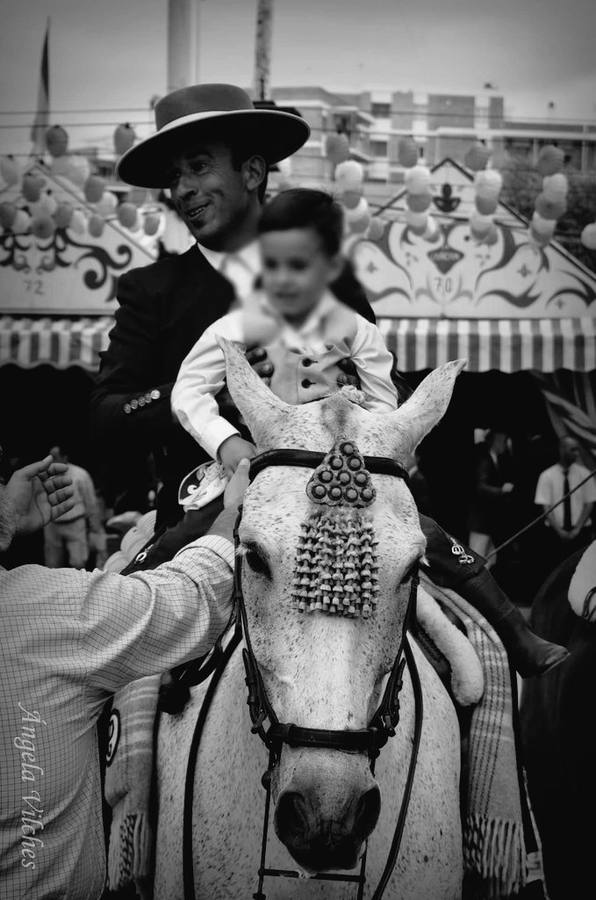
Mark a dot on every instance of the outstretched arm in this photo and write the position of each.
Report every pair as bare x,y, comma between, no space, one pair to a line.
39,494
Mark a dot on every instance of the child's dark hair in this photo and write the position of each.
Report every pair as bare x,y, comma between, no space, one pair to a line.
305,208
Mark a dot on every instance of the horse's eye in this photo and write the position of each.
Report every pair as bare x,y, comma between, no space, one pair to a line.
257,562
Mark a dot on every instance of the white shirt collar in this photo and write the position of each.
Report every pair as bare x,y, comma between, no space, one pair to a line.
249,255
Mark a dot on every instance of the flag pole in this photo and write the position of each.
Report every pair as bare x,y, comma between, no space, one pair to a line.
42,114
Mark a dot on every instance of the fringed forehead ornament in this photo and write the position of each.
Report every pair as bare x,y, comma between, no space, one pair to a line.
336,563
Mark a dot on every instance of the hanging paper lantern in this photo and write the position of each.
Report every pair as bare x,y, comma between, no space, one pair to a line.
407,152
551,160
492,235
56,141
78,222
127,215
488,183
543,227
79,170
417,221
22,221
360,225
480,225
94,188
48,203
8,212
376,229
550,209
349,175
151,224
43,227
337,148
61,166
358,211
351,199
124,138
96,225
107,205
588,236
32,187
137,196
432,231
419,202
63,215
9,170
555,187
486,206
477,157
417,180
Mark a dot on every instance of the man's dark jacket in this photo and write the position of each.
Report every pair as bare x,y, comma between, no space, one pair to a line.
164,308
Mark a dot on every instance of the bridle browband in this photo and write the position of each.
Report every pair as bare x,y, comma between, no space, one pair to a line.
276,734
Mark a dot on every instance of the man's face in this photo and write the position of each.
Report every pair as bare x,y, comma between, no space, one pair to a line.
568,451
296,271
211,196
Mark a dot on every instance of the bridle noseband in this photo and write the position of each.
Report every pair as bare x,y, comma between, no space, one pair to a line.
276,734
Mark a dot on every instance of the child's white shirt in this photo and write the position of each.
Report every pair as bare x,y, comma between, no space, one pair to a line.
202,373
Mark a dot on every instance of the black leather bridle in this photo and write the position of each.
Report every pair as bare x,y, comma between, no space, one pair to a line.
275,734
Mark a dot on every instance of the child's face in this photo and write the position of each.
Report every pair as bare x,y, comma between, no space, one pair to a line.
296,271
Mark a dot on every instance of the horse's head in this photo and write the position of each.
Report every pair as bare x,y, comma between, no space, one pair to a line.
326,581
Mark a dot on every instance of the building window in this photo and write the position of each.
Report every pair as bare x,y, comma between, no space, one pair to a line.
379,148
380,110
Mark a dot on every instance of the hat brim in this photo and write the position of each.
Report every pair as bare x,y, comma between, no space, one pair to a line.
272,134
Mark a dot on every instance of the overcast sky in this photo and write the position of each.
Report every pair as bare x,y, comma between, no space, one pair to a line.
111,54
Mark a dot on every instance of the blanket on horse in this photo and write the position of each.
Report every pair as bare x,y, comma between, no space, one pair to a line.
501,844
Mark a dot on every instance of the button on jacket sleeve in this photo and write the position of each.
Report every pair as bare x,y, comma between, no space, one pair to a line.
129,368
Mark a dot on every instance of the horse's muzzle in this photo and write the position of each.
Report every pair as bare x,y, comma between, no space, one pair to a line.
322,839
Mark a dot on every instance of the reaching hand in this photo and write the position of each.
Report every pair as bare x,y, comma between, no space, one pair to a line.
39,493
232,451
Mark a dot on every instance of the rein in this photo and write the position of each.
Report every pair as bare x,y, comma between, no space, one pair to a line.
275,734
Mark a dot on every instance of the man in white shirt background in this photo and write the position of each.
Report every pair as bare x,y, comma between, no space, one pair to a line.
569,524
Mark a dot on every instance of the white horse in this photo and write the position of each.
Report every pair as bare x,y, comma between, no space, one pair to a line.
319,671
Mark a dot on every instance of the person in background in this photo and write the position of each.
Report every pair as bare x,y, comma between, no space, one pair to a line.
490,511
70,639
568,527
68,539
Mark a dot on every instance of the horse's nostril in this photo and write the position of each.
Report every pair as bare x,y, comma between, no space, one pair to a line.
367,812
291,814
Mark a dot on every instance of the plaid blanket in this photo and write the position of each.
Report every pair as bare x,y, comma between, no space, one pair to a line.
502,849
129,783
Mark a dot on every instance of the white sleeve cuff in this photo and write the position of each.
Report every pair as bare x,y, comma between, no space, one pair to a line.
215,433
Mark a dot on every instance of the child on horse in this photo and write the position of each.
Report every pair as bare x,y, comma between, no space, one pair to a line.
307,332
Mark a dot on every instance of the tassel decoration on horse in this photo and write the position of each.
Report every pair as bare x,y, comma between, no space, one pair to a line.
336,566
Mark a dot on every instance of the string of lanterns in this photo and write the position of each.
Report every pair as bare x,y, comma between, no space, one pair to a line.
84,204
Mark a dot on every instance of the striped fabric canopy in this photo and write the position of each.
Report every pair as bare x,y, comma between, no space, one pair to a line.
61,343
508,345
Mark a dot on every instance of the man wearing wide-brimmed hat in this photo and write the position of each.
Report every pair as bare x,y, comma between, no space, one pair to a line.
212,149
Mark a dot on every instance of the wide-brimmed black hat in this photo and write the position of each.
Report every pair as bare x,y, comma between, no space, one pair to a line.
198,110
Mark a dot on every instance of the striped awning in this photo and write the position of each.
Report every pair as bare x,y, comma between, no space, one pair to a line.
61,343
507,345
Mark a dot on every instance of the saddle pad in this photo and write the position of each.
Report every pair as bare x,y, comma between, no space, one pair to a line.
582,587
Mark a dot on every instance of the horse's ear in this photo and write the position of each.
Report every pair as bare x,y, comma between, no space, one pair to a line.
258,405
425,407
